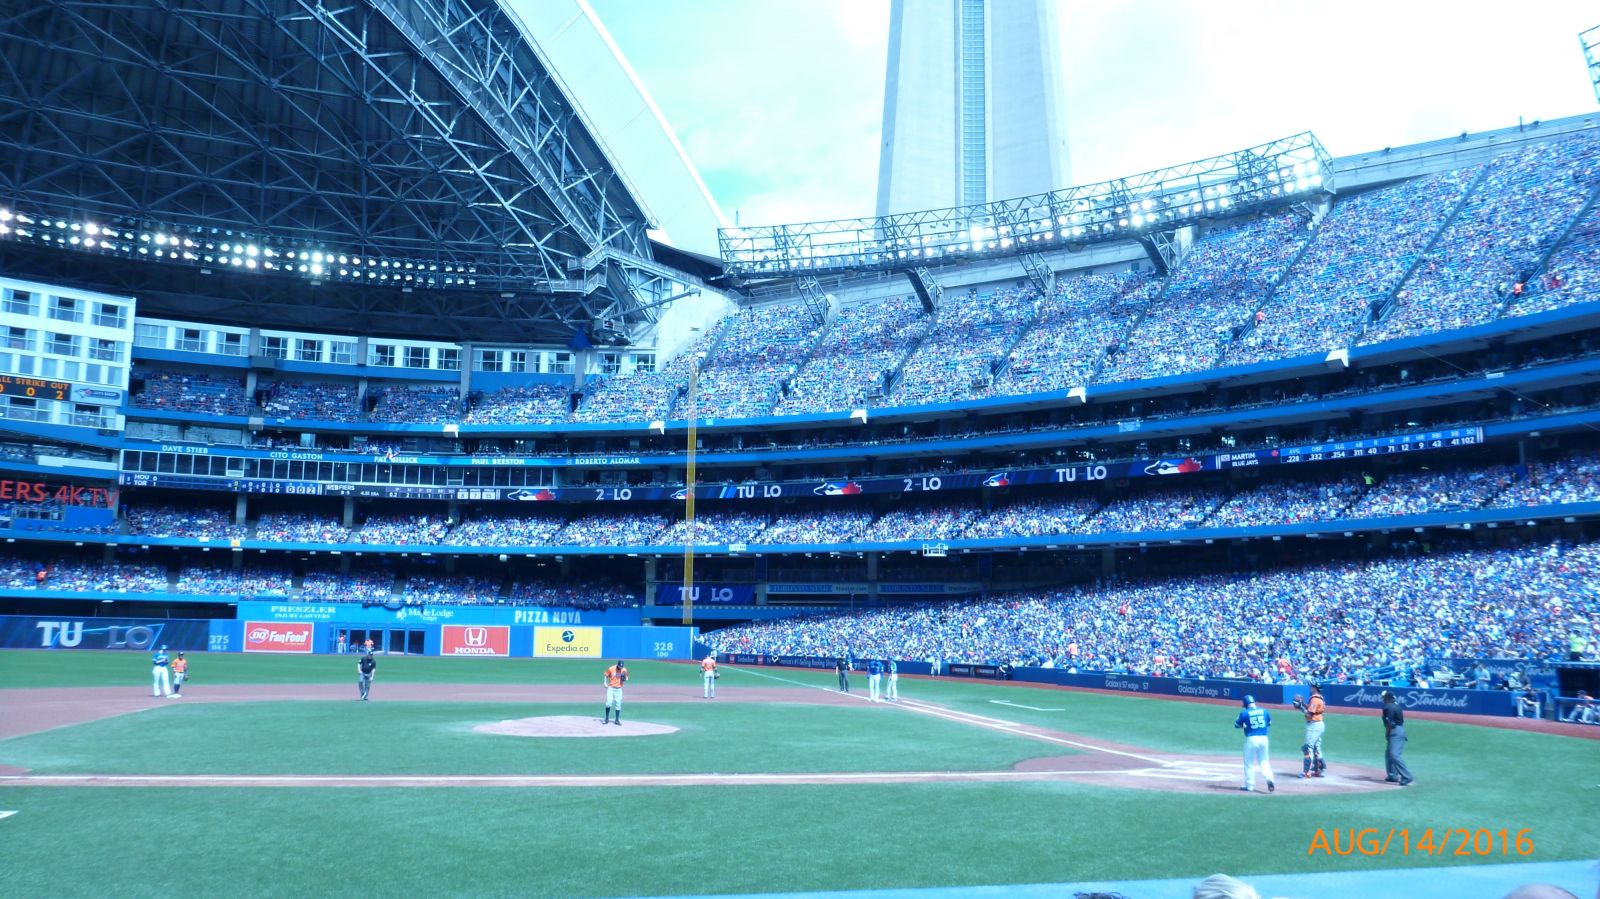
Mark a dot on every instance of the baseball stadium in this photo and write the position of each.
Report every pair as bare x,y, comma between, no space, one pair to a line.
412,483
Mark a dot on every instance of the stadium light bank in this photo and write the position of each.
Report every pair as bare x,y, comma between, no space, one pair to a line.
1258,179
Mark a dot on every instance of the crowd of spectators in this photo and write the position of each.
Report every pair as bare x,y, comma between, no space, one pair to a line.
1333,621
613,529
417,404
851,362
1358,255
1572,479
505,529
300,527
759,348
970,336
451,589
923,521
644,396
194,522
1034,517
223,580
1503,231
716,528
311,401
1170,509
206,394
1075,326
370,586
1217,287
816,526
83,576
402,530
571,594
1571,276
1287,503
528,404
1417,492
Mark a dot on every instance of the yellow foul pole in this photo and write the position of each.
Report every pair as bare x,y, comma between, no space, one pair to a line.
690,528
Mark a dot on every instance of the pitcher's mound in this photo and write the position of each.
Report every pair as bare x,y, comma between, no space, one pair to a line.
572,726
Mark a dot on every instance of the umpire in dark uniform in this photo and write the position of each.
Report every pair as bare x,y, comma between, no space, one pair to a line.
843,668
366,667
1394,729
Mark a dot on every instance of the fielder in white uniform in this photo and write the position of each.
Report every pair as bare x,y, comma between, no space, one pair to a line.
891,690
1255,722
160,673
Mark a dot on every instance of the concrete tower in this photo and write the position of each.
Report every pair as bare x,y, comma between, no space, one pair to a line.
972,104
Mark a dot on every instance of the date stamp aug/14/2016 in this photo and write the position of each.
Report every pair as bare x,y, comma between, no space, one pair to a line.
1433,841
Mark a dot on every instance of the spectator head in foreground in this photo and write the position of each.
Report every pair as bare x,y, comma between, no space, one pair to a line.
1221,886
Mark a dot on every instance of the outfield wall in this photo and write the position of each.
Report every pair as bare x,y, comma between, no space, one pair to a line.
321,637
1471,702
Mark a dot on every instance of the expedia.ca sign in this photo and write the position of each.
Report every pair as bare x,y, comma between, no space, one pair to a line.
567,642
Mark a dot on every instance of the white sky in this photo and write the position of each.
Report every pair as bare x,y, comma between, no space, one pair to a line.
780,102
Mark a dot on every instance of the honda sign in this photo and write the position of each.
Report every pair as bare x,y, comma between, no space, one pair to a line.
474,640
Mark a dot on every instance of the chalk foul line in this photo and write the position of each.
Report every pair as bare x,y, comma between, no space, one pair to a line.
996,724
1018,705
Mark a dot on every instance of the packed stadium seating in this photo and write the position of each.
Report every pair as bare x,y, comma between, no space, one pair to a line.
850,363
1084,317
759,348
970,336
402,530
300,527
1329,621
505,529
1218,287
1499,237
224,581
642,396
311,401
1359,254
413,404
716,528
531,404
196,521
188,391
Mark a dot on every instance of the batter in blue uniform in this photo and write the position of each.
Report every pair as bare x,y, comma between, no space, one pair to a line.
1255,722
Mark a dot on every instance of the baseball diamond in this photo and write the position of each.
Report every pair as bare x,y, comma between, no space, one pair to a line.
1086,764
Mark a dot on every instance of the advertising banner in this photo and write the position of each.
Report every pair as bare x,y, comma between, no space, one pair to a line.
566,642
353,613
277,636
247,460
708,594
474,640
70,632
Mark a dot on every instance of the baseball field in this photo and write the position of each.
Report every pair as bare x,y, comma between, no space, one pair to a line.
494,777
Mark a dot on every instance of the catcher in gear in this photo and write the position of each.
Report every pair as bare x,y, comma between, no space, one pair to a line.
1311,763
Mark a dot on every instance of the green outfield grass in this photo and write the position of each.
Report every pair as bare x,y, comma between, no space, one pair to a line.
681,840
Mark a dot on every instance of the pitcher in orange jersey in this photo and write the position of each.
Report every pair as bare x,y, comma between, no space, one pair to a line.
616,676
708,673
1311,763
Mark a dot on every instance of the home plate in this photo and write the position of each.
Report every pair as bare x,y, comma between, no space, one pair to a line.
572,726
